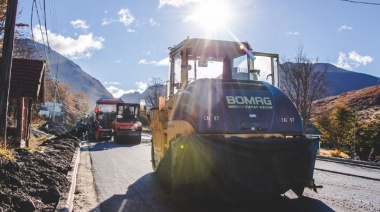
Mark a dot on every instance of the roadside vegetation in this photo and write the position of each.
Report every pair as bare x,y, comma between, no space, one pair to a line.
343,132
346,125
333,153
5,154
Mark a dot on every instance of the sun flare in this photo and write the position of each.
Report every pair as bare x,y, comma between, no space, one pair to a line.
212,15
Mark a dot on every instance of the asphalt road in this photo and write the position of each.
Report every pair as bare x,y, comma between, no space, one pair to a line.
125,182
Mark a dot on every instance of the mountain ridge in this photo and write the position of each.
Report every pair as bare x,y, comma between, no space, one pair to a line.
71,73
340,80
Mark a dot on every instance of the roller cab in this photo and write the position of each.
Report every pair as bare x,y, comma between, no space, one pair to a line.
127,127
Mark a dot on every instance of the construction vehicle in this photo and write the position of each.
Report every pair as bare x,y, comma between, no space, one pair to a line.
105,114
224,129
127,127
117,119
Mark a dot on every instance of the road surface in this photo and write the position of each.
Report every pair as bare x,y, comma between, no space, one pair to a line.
125,182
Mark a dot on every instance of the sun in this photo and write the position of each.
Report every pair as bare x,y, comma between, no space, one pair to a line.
212,15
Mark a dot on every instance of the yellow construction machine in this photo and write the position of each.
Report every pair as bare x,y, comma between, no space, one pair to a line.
224,128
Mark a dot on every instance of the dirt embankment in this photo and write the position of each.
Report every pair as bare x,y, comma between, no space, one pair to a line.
35,181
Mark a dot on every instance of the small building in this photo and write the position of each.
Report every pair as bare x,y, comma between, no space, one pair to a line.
27,84
50,109
312,131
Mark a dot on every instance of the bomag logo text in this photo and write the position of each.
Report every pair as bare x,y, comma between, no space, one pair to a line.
249,102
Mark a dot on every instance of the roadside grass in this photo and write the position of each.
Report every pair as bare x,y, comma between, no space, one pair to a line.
36,141
333,153
6,154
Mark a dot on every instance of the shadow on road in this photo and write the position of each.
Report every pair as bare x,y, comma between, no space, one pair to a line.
106,145
146,194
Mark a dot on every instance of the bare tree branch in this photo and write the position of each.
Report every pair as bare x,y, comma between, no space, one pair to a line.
303,82
155,89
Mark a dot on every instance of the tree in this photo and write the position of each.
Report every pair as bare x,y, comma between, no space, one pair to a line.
155,89
24,48
368,134
343,124
3,13
76,104
323,123
303,82
19,26
337,127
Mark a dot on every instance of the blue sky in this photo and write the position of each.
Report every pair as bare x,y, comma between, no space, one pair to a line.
124,43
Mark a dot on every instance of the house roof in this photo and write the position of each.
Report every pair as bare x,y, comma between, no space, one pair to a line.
109,101
312,130
27,78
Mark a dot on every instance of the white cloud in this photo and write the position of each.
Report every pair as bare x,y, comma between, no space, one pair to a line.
115,91
111,83
357,58
344,27
141,86
118,92
79,24
292,33
163,62
117,61
81,47
107,21
125,17
352,60
176,3
154,23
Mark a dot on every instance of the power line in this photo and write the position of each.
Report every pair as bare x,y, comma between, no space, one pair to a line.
362,2
43,36
31,29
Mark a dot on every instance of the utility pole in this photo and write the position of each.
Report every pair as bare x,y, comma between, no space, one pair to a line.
5,75
55,90
354,134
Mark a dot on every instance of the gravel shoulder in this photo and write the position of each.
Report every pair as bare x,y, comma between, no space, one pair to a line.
86,198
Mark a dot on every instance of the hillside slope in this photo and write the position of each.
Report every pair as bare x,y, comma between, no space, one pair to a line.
72,74
366,101
340,80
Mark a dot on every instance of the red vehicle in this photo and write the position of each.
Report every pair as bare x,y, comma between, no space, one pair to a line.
127,127
117,119
105,114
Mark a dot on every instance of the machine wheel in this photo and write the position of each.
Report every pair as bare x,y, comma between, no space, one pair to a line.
138,139
298,191
115,138
154,165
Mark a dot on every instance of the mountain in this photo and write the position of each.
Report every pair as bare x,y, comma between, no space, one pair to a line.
148,94
72,74
132,97
365,101
342,81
